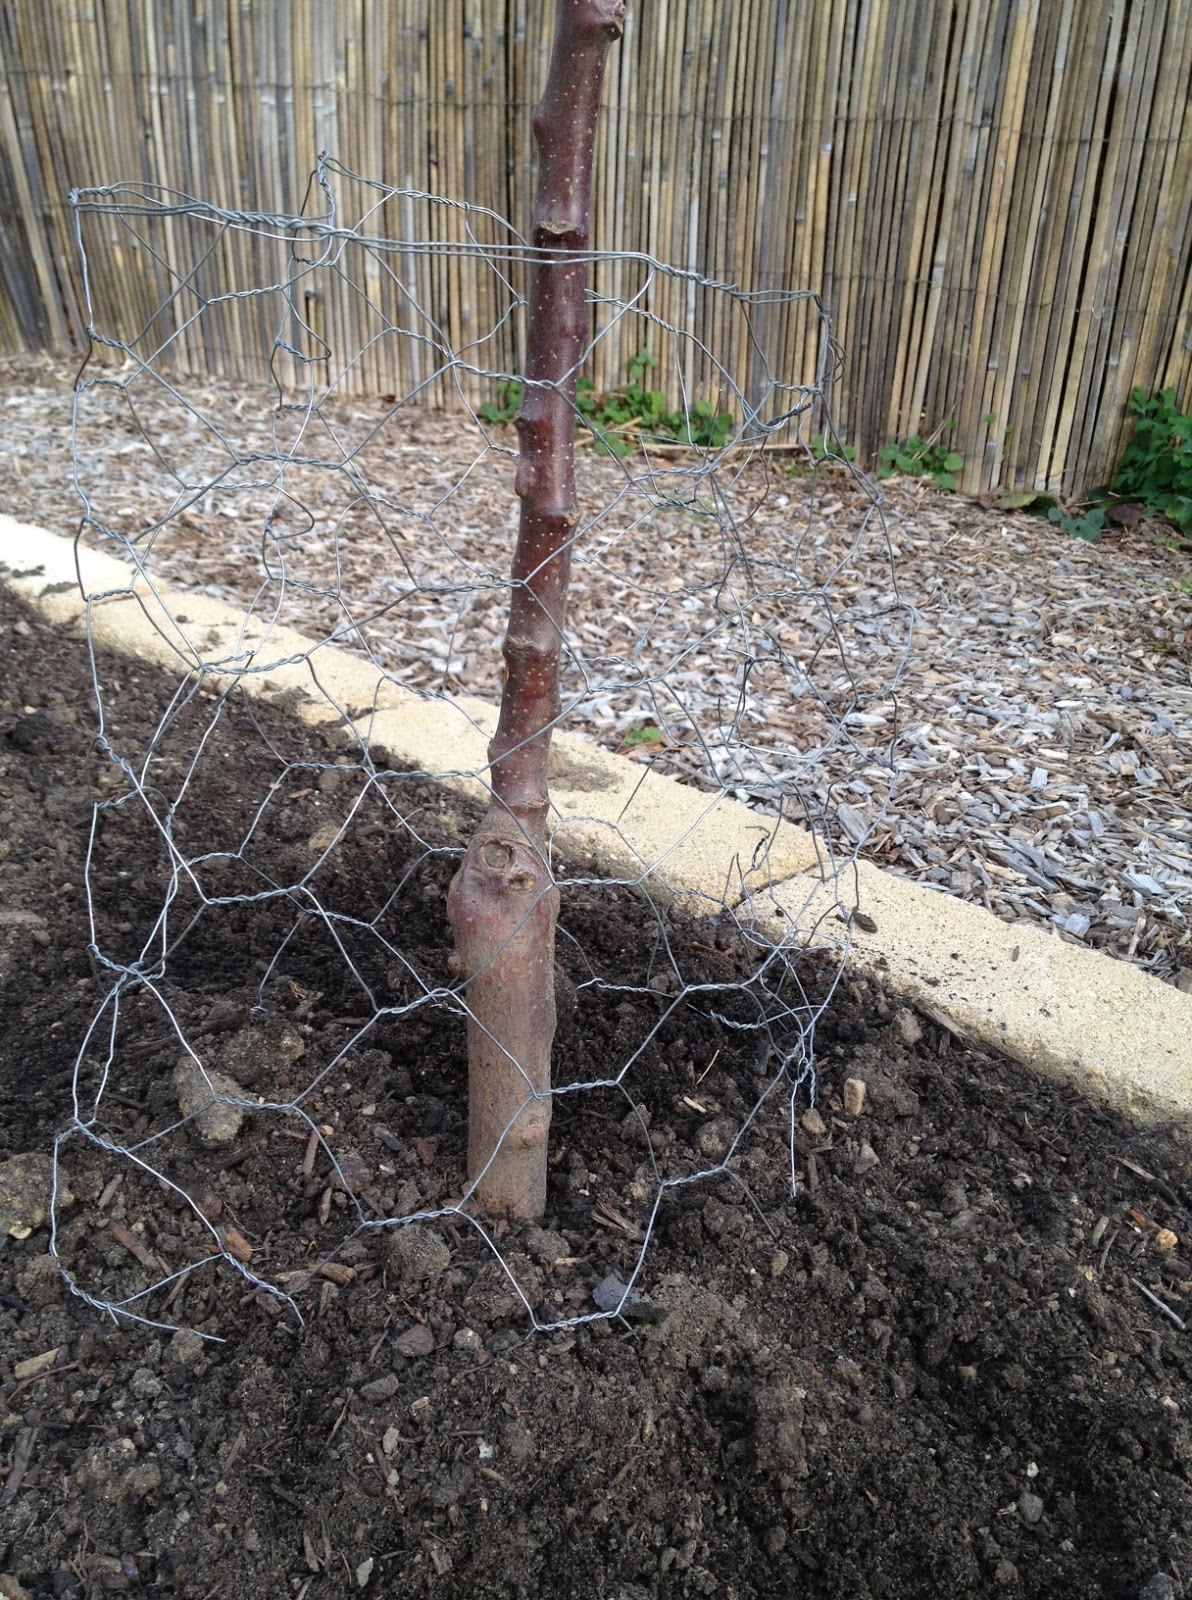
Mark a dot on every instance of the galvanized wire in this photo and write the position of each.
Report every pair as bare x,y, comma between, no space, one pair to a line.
317,529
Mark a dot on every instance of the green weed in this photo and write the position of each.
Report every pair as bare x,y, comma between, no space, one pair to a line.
632,412
504,407
822,449
619,420
1087,523
643,733
1079,519
1156,468
918,459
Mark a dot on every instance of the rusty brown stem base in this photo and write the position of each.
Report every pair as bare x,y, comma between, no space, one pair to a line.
503,907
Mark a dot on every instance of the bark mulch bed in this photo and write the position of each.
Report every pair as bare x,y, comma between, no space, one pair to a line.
1040,737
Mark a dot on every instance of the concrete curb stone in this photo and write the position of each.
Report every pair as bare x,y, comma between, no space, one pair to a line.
1071,1013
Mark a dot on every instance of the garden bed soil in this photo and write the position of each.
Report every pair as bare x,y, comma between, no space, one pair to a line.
943,1369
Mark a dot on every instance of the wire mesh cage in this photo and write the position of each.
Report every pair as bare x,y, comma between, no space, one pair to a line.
273,1077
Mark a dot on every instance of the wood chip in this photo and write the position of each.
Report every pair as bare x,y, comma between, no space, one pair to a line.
136,1248
312,1150
34,1366
237,1245
334,1271
22,1456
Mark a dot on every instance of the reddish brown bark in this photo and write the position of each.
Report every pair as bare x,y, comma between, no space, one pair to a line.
503,904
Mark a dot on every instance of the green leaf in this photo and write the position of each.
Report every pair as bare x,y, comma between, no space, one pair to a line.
1018,502
1156,466
646,409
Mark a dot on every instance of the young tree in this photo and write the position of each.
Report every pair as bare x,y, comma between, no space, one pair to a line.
503,905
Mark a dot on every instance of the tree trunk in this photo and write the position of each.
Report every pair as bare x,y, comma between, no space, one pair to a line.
503,904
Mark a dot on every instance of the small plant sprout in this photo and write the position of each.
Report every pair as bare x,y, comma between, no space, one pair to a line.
918,458
618,422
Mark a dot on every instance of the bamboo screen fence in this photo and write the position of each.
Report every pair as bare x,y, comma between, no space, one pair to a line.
992,196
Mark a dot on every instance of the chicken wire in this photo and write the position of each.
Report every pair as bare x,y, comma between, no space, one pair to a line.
336,525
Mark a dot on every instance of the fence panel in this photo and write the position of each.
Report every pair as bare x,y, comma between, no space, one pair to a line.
992,196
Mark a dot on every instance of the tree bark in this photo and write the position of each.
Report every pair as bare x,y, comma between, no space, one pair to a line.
503,904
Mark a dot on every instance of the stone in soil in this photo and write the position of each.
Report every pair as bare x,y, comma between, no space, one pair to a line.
416,1252
26,1184
204,1098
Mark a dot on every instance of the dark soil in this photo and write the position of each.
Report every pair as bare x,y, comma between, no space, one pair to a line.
933,1373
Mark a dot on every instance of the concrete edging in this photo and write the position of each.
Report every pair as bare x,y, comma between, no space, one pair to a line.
1082,1018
